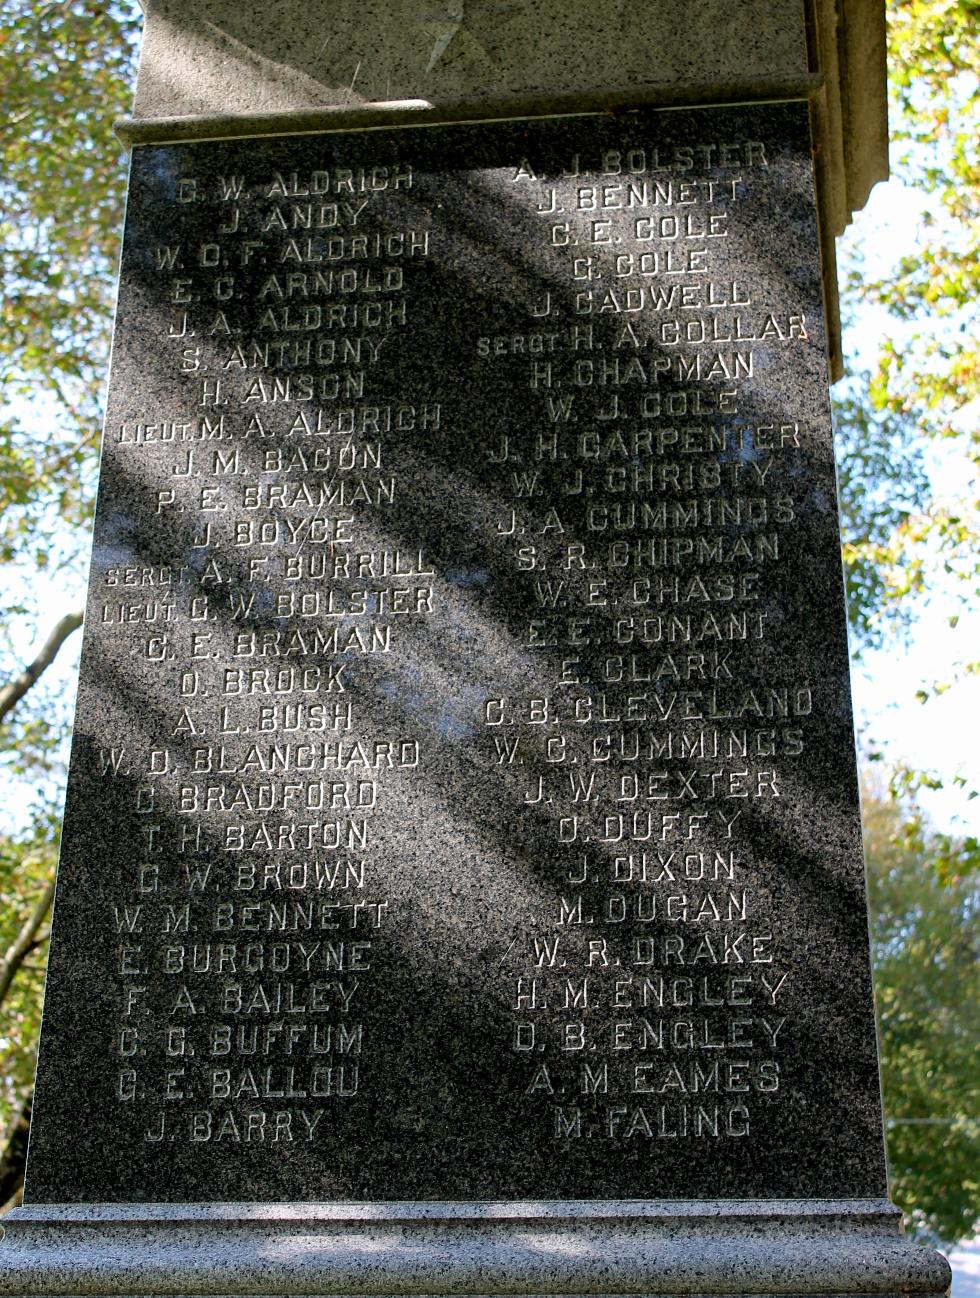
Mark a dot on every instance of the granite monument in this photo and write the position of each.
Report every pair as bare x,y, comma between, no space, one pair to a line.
462,886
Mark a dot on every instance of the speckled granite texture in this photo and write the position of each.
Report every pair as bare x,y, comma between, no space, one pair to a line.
463,801
608,1248
220,57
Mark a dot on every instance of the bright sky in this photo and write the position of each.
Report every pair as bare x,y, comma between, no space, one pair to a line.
936,735
965,1262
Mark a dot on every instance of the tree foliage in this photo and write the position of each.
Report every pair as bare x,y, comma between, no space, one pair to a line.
65,75
882,485
66,72
27,887
926,948
927,378
909,432
934,77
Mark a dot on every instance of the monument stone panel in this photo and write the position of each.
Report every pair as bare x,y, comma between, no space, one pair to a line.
463,801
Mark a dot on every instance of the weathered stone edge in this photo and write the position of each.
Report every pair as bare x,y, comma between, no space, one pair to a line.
420,112
812,1249
877,1210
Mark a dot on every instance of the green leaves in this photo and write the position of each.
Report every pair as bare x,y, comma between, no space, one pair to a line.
883,490
26,869
66,72
65,75
909,432
934,62
926,946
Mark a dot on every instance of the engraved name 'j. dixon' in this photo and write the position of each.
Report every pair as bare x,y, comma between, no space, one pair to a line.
662,753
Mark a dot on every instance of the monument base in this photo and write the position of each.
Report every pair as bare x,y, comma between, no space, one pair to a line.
811,1247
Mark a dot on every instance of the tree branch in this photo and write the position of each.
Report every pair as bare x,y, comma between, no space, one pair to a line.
14,1156
12,694
24,942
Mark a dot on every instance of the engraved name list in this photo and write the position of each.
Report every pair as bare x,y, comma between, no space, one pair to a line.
462,795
